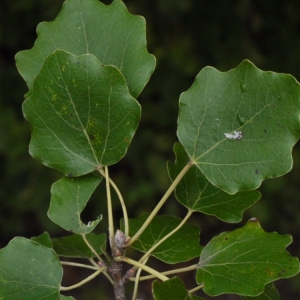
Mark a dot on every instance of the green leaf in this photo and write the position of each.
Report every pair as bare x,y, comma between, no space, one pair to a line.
245,260
264,106
29,271
81,113
181,246
62,297
74,245
270,293
69,196
196,193
172,289
43,239
110,33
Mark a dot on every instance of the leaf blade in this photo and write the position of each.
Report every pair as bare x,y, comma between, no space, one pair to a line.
270,293
29,271
69,196
43,239
181,246
109,32
81,113
196,193
264,106
244,261
172,289
74,245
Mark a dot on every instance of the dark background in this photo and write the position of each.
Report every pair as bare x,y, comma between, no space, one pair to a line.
185,36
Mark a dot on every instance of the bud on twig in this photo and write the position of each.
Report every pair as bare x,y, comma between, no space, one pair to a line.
120,239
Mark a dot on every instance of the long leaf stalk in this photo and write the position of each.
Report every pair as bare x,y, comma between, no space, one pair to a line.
69,263
161,203
143,267
98,257
175,271
137,280
197,288
89,278
91,247
122,202
111,230
148,253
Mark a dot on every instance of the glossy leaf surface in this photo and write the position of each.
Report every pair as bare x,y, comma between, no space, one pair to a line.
74,245
29,271
69,196
181,246
81,113
110,33
172,289
245,260
263,107
196,193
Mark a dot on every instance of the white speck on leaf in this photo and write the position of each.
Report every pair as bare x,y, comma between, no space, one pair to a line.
236,135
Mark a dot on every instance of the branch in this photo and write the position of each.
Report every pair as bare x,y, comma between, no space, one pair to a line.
161,203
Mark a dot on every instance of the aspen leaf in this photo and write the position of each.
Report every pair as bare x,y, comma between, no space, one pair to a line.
239,127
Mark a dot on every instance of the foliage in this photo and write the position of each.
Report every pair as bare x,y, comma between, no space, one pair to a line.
235,129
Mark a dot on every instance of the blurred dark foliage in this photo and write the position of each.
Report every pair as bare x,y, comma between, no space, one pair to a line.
185,36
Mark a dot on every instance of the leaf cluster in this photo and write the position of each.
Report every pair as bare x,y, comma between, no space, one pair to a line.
235,129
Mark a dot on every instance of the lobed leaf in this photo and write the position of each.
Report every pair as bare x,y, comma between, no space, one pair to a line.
196,193
239,126
110,33
181,246
74,245
29,271
81,113
69,196
244,261
173,289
